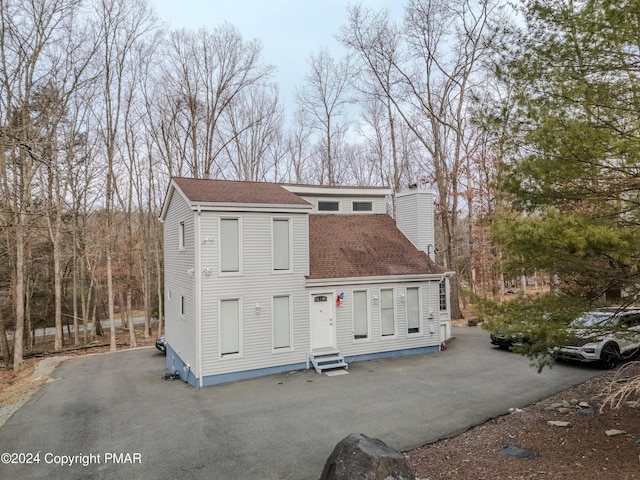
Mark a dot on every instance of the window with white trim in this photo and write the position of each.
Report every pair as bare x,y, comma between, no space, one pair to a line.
229,327
360,315
362,206
326,206
413,310
442,290
229,245
281,322
387,313
181,236
281,244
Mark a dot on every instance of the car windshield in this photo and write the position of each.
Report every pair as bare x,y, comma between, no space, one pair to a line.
592,319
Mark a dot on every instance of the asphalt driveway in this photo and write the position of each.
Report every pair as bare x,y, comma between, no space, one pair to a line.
113,417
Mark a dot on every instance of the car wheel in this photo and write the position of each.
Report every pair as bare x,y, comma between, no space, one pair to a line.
610,356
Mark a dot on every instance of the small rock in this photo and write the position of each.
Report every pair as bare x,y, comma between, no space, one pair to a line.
586,411
515,451
557,423
566,404
584,405
613,432
555,405
564,410
573,401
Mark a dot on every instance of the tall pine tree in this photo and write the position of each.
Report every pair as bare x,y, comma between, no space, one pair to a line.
572,182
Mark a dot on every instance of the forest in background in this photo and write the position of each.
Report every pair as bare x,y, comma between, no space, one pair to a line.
100,104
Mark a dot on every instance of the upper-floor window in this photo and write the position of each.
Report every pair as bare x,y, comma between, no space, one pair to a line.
181,235
362,206
229,245
443,295
328,206
281,244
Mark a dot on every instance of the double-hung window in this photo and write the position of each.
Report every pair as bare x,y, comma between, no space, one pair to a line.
282,322
413,310
281,244
360,315
229,327
442,290
387,313
229,245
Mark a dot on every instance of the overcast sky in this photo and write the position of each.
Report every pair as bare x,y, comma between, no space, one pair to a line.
289,30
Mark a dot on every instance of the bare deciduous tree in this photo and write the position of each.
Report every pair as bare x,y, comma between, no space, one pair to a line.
121,25
205,73
253,124
431,77
33,48
324,99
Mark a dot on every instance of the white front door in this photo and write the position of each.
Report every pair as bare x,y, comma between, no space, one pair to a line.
322,322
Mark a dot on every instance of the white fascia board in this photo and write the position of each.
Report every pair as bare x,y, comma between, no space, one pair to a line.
250,207
326,282
171,191
339,191
414,191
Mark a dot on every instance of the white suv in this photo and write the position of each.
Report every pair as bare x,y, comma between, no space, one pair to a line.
607,336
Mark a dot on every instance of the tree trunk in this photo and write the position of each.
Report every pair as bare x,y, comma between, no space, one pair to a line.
57,286
76,326
4,343
132,332
112,320
18,334
97,325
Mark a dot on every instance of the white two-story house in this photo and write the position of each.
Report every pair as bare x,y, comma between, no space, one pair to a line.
263,278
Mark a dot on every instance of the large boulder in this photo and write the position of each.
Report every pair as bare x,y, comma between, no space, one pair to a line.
358,457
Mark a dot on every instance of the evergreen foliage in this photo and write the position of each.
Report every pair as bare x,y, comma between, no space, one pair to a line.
572,184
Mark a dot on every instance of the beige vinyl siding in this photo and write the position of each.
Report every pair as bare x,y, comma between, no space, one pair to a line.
256,287
179,328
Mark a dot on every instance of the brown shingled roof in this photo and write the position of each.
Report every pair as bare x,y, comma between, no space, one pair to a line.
229,191
346,246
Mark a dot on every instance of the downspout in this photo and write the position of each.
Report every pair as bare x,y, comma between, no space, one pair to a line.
197,294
